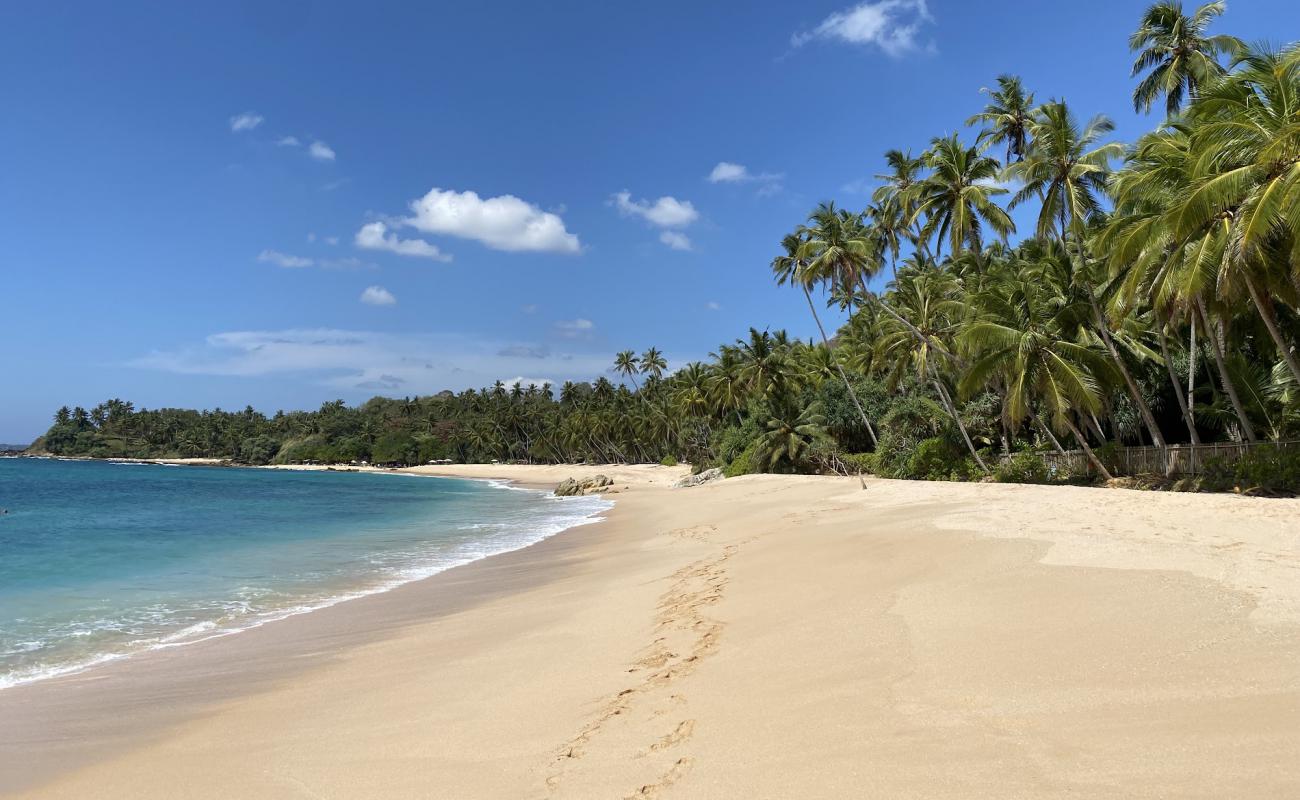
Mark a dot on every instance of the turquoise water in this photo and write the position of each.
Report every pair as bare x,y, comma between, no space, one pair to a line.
100,560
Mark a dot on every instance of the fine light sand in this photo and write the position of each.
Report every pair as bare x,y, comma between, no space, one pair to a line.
760,637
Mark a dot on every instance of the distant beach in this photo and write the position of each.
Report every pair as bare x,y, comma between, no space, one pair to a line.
762,636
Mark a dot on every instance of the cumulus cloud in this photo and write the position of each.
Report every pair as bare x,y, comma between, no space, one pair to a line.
378,296
246,121
713,305
574,328
288,141
357,364
501,223
320,151
284,259
666,212
891,25
376,236
729,172
676,240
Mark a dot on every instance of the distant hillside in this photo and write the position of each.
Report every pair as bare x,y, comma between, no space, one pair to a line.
13,448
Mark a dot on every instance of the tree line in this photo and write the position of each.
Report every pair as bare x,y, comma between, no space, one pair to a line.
1153,301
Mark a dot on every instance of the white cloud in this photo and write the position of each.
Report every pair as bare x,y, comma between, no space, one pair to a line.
321,151
573,328
376,236
891,25
676,240
713,305
727,172
501,223
378,296
288,141
331,240
357,364
283,259
246,121
666,212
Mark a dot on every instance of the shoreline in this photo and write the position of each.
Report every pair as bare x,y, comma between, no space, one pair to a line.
265,617
938,639
206,672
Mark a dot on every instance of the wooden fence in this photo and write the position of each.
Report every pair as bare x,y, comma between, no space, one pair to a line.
1178,459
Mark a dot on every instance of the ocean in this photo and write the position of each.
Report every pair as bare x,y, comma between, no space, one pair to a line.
101,560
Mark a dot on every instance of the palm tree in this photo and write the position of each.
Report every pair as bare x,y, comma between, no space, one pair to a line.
625,364
1023,335
1066,169
790,268
653,363
1180,55
1246,131
790,436
1006,117
956,199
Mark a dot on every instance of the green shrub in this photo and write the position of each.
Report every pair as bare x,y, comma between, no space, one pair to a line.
258,450
1022,467
669,461
1265,470
743,463
933,459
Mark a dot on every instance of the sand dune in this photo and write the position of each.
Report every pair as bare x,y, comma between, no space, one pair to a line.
792,637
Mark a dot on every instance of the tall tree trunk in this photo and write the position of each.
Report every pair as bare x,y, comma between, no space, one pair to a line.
1265,308
852,394
952,409
1192,352
1056,443
1216,348
1083,442
1178,389
1147,417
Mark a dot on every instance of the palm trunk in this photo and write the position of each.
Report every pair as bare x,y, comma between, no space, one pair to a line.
947,402
1051,436
1191,373
1092,457
1147,417
1265,309
1178,389
1216,348
852,394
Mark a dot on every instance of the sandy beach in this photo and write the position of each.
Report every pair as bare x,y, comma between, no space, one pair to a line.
758,637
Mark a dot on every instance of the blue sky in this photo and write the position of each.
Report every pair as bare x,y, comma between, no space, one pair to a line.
284,203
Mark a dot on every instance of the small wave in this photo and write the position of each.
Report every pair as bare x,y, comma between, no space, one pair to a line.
240,614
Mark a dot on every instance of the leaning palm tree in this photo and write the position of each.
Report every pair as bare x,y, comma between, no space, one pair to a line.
1006,117
1067,170
790,268
1023,336
956,199
894,196
625,364
1246,135
1180,55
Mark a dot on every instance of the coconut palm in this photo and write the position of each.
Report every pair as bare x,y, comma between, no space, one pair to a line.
626,364
1180,56
653,363
1023,335
956,199
1006,117
790,268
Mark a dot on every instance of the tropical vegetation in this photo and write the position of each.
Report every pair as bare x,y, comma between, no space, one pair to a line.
1154,298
